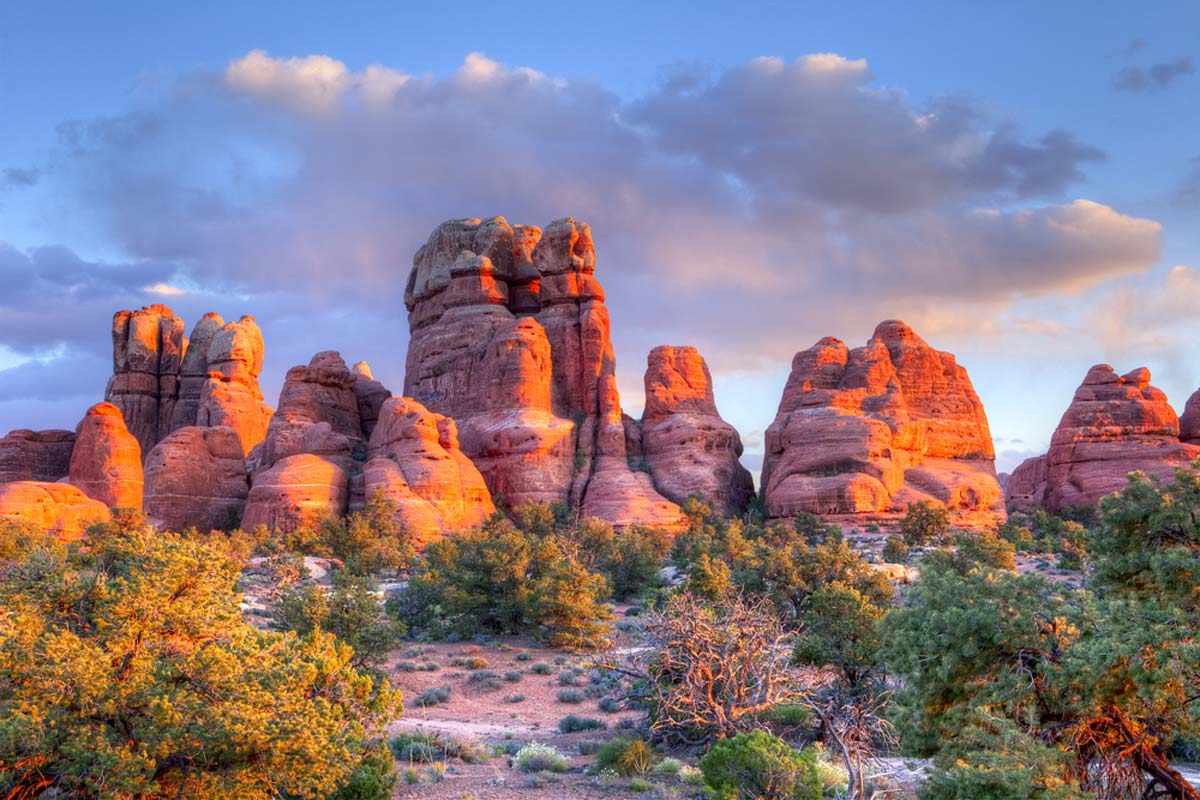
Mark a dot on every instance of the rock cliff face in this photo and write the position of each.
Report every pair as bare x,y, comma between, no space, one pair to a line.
510,338
1113,426
197,477
148,347
56,507
1189,420
684,442
229,396
106,461
873,429
35,455
294,490
415,461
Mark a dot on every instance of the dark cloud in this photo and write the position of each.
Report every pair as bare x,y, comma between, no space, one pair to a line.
1155,78
18,177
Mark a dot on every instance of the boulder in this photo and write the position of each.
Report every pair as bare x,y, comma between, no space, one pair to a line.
197,477
148,347
686,446
295,490
1115,424
106,461
56,507
35,455
871,430
416,461
510,338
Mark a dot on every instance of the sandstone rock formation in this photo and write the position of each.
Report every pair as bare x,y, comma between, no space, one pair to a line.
193,370
510,338
57,507
197,477
416,462
371,396
106,461
684,442
871,430
294,490
1115,425
229,396
148,349
35,455
1189,420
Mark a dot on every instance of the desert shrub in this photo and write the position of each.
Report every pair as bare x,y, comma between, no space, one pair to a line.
626,757
759,765
924,523
668,766
541,668
417,748
895,551
513,675
366,542
572,696
350,611
609,705
708,578
484,679
573,723
568,677
514,698
841,630
432,696
535,757
372,779
469,662
640,785
524,656
789,715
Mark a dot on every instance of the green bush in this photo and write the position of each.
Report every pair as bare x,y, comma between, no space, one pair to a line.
895,551
924,523
760,765
350,611
572,696
541,668
372,779
432,696
626,757
535,757
573,723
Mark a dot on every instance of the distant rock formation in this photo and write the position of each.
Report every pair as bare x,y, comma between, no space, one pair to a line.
1189,420
35,455
416,462
510,338
1114,425
871,430
106,461
229,396
148,347
197,477
59,508
684,442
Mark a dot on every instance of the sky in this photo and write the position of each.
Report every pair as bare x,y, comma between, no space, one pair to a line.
1020,182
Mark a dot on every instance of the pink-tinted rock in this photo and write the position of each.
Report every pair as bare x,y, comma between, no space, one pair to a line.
35,455
1026,488
230,396
56,507
321,392
684,442
534,397
148,347
1189,420
193,370
871,430
294,491
106,461
197,477
1115,425
371,396
416,461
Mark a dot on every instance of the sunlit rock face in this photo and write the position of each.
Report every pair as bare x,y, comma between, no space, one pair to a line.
686,446
27,455
1115,424
295,490
197,477
510,338
106,461
230,396
59,508
148,348
871,430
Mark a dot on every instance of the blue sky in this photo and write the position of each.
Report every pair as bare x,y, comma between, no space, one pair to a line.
1020,183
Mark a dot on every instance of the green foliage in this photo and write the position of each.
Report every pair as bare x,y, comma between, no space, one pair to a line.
432,696
895,551
924,523
350,611
499,579
535,757
708,578
758,765
366,542
841,630
372,779
573,723
127,670
1040,532
626,757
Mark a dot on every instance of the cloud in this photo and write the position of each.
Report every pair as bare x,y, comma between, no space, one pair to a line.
18,177
748,210
1188,192
1155,78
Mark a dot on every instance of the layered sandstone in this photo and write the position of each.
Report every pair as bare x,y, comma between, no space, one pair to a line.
684,443
148,346
35,455
193,370
229,396
294,491
1115,424
1189,420
56,507
416,462
510,338
197,477
874,429
106,461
